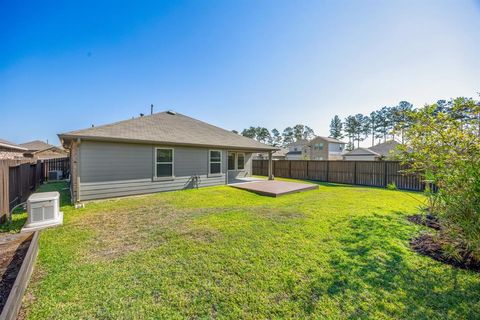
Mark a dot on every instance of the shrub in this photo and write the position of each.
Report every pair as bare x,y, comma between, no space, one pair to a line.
392,186
443,146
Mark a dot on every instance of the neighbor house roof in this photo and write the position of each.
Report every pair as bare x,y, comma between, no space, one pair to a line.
385,148
280,153
361,152
382,149
329,139
167,128
10,145
37,145
294,152
299,142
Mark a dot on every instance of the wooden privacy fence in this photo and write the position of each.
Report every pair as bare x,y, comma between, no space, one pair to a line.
62,164
365,173
20,178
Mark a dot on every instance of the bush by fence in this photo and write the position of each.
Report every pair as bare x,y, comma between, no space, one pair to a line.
19,178
366,173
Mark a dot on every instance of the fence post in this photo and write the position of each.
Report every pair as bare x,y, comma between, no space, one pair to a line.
289,168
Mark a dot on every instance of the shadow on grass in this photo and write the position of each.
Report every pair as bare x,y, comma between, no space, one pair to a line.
376,270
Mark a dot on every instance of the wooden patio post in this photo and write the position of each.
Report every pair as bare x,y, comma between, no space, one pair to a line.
270,166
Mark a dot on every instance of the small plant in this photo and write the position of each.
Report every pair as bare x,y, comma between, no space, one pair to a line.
392,186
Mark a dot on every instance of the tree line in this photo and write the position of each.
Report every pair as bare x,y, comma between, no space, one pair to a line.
380,125
388,122
277,138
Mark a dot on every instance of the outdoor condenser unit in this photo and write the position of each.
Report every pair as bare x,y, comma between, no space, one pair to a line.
54,175
43,211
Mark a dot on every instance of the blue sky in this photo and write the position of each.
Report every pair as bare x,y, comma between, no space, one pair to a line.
65,65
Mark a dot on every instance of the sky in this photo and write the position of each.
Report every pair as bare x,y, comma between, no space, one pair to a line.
65,65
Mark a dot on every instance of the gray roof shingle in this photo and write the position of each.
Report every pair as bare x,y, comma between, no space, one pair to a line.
167,128
11,145
36,145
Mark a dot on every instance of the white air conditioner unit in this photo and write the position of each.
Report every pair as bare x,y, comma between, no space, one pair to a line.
43,211
54,175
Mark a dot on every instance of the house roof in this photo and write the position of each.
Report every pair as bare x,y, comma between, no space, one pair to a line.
299,142
280,153
361,152
167,128
385,148
329,139
37,145
294,152
11,145
381,149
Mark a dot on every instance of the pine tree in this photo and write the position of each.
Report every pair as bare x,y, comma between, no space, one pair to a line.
250,133
336,127
288,136
276,138
298,131
308,133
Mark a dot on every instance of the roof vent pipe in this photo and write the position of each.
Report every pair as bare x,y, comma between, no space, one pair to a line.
171,112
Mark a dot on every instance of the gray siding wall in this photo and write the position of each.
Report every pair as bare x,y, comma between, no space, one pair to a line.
118,169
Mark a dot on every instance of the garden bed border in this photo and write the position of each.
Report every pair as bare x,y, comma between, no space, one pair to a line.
14,300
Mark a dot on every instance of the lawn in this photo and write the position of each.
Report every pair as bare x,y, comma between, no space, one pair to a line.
219,252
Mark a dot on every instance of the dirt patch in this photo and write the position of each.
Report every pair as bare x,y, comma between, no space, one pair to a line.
13,248
427,245
425,220
125,231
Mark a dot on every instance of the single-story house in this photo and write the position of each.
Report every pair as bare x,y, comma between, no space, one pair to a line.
277,155
11,151
381,151
160,152
42,150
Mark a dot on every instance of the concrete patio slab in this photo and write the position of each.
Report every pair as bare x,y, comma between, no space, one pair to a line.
273,188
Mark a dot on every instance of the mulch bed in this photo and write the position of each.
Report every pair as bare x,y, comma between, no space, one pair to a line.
425,220
426,244
13,248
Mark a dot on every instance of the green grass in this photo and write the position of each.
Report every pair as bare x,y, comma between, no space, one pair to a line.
338,252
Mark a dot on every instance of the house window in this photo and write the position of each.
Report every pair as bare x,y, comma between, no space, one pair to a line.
320,146
231,161
164,162
215,162
240,161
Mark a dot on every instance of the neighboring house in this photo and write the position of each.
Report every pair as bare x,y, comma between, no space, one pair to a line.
161,152
326,148
319,148
297,150
381,151
41,150
277,155
11,151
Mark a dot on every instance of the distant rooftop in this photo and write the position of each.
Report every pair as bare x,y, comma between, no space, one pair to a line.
11,145
37,145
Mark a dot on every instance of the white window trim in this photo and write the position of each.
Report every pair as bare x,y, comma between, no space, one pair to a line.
209,162
155,164
236,161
